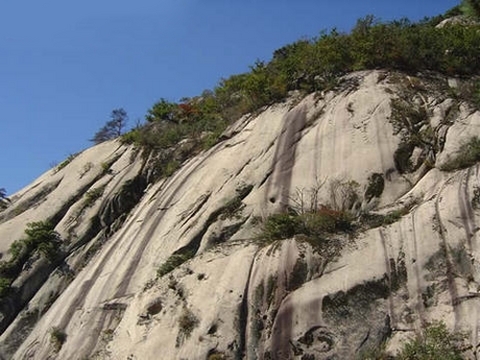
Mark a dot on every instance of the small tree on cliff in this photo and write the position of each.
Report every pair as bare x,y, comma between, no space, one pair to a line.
113,128
4,200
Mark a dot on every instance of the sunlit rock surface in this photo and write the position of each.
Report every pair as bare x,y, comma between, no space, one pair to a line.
236,297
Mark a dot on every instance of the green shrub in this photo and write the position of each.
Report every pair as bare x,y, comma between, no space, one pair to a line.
187,322
216,356
435,343
106,167
170,167
471,8
375,220
57,338
394,216
314,225
4,286
234,206
326,220
476,198
280,226
93,195
468,155
375,187
41,236
312,65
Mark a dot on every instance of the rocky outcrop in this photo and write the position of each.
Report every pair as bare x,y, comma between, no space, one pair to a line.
176,270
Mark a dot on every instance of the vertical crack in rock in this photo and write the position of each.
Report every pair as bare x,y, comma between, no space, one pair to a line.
452,288
469,225
466,210
419,301
284,157
389,274
282,331
243,314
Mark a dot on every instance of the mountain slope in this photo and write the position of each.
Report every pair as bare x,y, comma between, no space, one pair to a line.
372,148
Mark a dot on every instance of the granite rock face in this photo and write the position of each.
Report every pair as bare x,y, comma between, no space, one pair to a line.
387,137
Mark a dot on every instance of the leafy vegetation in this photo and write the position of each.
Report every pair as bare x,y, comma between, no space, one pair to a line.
216,356
372,220
187,322
471,8
93,195
310,65
4,200
376,184
476,198
436,343
40,237
4,286
468,155
57,338
314,226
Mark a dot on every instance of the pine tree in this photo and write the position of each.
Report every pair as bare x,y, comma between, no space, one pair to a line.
112,128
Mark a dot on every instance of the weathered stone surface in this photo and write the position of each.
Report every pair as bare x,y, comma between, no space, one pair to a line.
240,299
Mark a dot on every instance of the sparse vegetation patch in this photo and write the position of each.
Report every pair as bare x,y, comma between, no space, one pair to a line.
57,338
173,262
187,322
93,195
435,343
67,161
468,155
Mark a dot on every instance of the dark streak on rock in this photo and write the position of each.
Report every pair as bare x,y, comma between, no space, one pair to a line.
284,157
419,301
389,276
452,288
243,316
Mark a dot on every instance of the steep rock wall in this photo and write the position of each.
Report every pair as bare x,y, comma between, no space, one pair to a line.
240,299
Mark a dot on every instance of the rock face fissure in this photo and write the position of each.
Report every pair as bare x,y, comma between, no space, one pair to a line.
177,264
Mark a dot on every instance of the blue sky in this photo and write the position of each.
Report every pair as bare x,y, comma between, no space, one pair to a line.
64,66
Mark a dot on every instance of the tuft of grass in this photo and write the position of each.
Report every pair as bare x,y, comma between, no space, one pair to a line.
93,195
67,161
187,322
173,262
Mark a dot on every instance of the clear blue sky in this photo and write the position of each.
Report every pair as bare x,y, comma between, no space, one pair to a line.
64,65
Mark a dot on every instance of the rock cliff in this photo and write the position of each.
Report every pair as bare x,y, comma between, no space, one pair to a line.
177,269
